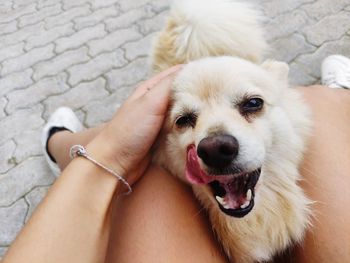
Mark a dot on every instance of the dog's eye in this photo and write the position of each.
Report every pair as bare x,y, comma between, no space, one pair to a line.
186,120
252,105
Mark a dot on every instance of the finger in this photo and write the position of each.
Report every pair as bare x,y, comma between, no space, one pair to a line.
157,99
149,84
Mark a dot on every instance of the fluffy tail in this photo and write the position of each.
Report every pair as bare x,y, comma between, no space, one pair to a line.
202,28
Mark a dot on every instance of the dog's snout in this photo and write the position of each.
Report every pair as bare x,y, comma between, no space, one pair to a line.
218,151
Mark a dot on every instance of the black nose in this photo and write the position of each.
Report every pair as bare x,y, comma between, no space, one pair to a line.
218,151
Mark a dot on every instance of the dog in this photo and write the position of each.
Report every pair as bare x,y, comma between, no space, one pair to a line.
235,130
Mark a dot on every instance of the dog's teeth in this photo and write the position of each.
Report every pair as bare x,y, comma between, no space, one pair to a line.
220,200
246,204
226,206
249,195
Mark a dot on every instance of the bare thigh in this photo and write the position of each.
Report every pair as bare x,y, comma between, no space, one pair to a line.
161,222
326,173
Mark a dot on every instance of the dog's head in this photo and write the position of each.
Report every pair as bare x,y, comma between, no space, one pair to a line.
219,127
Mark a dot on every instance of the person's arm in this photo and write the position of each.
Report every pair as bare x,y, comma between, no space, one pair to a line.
72,223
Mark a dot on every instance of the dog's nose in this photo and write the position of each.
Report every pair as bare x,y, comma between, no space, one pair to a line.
218,151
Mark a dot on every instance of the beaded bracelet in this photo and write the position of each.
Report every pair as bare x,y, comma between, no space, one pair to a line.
79,150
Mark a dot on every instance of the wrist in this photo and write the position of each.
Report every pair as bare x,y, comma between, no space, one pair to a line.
81,151
103,151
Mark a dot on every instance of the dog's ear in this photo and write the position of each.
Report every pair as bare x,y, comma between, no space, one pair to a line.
278,69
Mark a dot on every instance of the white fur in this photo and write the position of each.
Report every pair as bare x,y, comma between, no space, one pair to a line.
275,139
202,28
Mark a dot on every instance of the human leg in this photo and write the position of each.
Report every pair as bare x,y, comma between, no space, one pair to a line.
327,165
161,222
61,132
60,143
326,176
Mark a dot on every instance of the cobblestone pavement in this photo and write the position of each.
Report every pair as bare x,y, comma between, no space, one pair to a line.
89,54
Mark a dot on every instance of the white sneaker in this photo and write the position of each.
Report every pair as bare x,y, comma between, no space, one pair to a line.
336,72
62,118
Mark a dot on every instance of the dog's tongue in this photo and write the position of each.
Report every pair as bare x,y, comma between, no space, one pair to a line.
194,174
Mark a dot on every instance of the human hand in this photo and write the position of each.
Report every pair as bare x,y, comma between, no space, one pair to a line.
126,140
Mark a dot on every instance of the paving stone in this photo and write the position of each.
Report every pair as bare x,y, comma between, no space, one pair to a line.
103,110
125,20
15,81
23,178
11,51
44,3
276,8
37,92
113,40
80,38
286,24
77,97
160,5
28,144
5,6
20,35
312,62
96,4
140,48
27,60
80,114
298,75
11,221
67,16
340,24
3,103
21,3
95,17
2,251
20,121
43,38
6,152
60,63
34,198
321,8
68,4
130,75
287,49
96,67
39,15
153,24
14,14
8,27
126,5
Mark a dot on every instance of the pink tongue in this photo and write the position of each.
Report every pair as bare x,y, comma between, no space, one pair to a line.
194,174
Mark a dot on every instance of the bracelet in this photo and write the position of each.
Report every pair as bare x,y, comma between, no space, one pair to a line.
79,150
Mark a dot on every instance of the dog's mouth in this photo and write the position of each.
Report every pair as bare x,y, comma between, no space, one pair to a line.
234,192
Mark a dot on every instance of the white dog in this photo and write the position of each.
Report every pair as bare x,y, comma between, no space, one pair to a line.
235,130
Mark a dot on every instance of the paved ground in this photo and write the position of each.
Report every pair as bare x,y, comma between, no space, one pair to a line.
89,54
